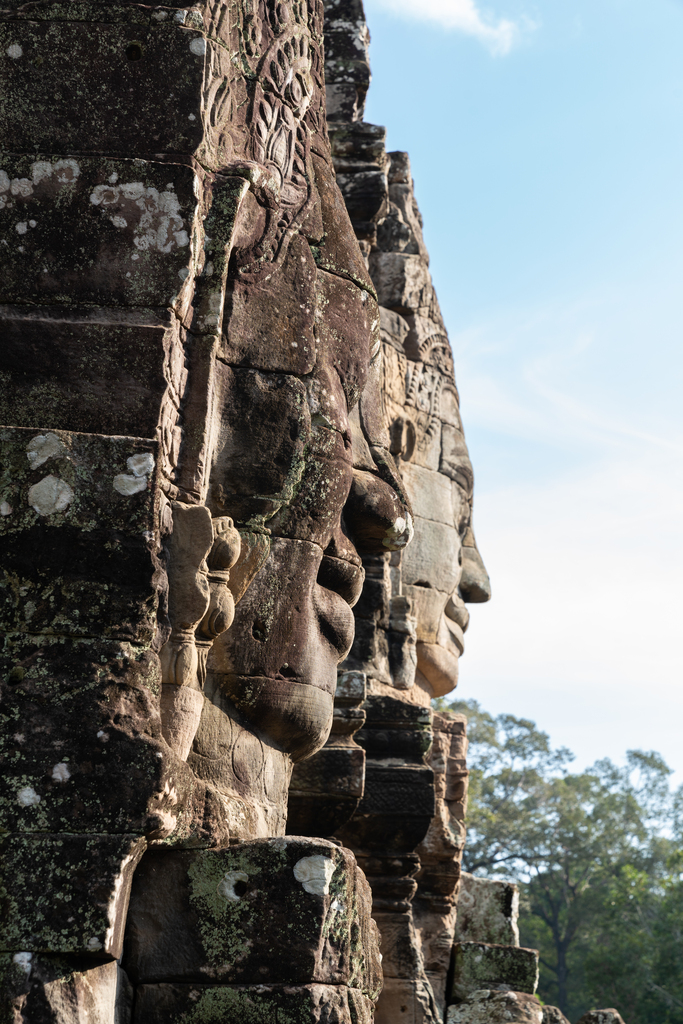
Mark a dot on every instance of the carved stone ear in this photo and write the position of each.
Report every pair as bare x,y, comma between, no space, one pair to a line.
403,438
188,547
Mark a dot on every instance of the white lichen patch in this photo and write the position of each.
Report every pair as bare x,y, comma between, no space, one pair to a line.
5,508
61,773
40,170
154,216
21,228
315,874
27,797
43,447
127,484
15,51
400,534
66,171
226,886
141,465
4,189
198,46
21,187
94,944
50,495
23,960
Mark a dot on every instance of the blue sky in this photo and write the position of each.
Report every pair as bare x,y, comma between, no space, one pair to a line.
547,150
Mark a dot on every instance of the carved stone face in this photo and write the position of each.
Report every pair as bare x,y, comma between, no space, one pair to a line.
442,570
284,330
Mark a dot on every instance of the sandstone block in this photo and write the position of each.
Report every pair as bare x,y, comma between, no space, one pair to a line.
355,144
348,315
610,1016
395,729
336,775
80,740
491,1007
479,965
487,911
402,281
140,213
78,526
396,809
267,1004
433,556
57,990
101,60
365,193
285,911
400,949
338,252
551,1015
260,444
282,303
66,893
430,494
408,1001
428,608
71,372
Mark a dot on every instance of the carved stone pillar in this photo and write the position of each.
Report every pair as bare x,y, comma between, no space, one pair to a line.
391,821
438,881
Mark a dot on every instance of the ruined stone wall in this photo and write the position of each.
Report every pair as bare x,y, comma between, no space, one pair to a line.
187,323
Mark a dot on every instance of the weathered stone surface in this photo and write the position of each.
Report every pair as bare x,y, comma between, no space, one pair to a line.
487,911
440,852
326,789
491,1007
81,741
601,1017
79,535
284,307
347,68
265,1004
94,59
402,281
59,990
66,893
409,1001
62,372
551,1015
141,213
285,911
433,495
397,806
336,254
479,965
434,557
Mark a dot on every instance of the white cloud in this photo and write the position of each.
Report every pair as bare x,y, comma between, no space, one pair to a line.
498,34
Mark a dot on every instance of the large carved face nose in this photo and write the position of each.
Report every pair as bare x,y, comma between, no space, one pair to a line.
475,585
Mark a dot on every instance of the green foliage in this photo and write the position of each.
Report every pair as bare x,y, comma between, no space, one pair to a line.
598,858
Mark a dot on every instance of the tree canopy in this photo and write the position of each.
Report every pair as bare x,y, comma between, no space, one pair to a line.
599,860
